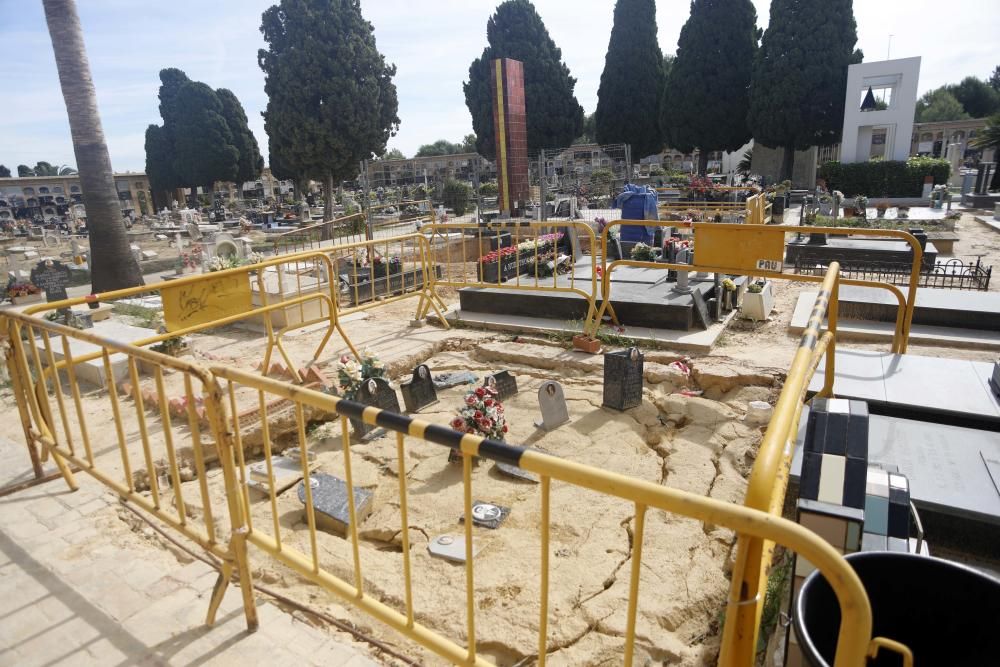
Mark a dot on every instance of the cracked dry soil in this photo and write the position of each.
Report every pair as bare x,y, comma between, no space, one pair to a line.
699,444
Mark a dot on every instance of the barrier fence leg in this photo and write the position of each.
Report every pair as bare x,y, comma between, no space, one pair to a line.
18,386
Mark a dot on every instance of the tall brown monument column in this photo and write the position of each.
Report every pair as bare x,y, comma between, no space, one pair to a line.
511,132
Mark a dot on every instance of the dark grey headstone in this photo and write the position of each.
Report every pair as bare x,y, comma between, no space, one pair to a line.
552,403
329,496
700,309
419,392
623,379
504,383
376,392
53,277
995,379
516,472
487,515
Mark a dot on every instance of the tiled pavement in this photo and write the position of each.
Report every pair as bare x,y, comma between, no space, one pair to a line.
73,594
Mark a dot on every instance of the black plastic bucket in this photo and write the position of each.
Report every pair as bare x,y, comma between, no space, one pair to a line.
946,613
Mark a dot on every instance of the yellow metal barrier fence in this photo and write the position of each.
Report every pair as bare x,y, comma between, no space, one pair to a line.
353,228
474,255
265,531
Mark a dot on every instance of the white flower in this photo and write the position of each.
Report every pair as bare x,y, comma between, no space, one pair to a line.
377,363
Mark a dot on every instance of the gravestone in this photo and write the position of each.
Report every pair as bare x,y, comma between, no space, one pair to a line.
378,393
552,402
419,392
330,502
194,232
700,309
995,379
516,472
452,547
503,382
487,515
623,379
53,277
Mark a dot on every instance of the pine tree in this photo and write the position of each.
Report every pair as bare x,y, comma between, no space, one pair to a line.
554,117
707,94
800,74
628,99
331,99
250,161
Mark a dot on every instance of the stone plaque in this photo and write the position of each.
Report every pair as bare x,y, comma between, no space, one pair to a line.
287,471
701,316
623,379
487,515
53,277
378,393
452,547
552,402
504,383
419,392
446,380
329,496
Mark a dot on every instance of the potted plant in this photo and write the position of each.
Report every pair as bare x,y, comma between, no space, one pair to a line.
861,206
881,208
825,204
728,294
24,293
758,302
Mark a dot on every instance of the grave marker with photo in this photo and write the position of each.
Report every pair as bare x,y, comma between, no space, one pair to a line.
378,393
419,392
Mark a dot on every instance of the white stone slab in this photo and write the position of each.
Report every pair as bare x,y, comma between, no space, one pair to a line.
92,371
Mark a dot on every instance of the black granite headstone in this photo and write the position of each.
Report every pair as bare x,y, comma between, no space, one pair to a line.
419,392
623,379
487,515
995,379
53,277
378,393
330,502
504,382
700,309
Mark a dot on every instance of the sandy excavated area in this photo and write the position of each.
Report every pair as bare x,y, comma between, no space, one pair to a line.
692,443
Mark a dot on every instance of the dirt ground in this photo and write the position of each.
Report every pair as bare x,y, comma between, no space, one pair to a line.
700,443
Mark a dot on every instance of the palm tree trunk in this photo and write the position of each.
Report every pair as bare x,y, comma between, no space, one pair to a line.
112,265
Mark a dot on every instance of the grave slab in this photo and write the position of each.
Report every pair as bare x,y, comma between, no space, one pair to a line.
946,465
330,502
92,371
287,471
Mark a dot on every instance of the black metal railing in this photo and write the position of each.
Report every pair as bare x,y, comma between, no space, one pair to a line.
950,274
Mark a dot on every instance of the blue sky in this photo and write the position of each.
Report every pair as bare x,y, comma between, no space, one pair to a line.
431,43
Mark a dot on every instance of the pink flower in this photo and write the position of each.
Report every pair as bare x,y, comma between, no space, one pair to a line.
470,400
344,359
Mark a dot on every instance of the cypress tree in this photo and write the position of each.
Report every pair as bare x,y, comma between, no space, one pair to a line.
331,99
554,117
204,151
707,93
628,99
250,162
800,74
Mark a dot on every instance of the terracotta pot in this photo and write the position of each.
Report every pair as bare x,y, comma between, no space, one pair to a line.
586,344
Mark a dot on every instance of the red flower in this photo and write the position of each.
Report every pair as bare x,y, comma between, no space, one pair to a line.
480,392
470,400
478,415
504,428
457,423
488,402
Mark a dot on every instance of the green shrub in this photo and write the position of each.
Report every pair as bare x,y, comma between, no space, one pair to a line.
880,178
601,181
489,189
456,196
